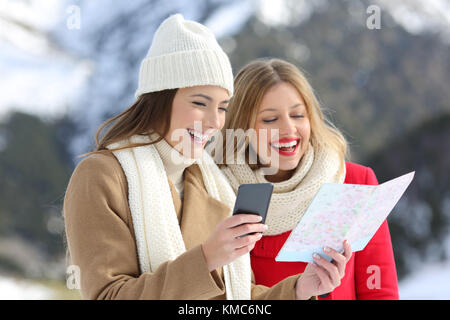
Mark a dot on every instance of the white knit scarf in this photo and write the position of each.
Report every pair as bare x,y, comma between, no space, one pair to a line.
158,234
291,197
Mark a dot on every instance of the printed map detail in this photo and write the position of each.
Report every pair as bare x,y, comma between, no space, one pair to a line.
341,212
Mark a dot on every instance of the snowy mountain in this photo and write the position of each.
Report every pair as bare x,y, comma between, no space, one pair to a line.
37,75
83,57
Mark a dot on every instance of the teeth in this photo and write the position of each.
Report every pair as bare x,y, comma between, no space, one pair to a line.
197,135
285,145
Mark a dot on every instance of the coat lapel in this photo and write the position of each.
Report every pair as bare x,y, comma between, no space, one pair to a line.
201,213
176,200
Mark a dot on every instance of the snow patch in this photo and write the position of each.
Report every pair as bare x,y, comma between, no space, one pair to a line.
431,282
14,289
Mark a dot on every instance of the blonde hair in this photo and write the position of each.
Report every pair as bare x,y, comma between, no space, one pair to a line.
251,84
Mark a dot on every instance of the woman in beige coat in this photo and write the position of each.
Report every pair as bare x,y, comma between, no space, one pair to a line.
147,214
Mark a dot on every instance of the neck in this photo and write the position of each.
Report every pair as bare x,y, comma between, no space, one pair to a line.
174,163
281,175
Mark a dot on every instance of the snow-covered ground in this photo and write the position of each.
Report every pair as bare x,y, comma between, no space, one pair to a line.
14,289
430,282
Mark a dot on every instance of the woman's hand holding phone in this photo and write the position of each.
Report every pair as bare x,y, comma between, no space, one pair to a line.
232,238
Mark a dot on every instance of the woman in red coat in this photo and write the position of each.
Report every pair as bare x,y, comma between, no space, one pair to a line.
289,143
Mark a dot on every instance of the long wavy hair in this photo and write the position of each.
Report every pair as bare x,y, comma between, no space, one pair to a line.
149,114
251,84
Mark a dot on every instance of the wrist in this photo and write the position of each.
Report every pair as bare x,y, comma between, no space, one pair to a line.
300,290
207,257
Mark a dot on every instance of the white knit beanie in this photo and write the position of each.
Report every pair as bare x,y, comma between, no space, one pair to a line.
184,54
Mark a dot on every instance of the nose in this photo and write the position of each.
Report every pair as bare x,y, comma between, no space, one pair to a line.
212,120
287,126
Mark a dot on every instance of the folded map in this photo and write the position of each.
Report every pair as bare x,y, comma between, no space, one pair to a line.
341,212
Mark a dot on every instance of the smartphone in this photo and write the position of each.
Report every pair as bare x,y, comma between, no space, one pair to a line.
253,198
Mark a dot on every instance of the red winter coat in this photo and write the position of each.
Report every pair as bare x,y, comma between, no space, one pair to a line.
369,274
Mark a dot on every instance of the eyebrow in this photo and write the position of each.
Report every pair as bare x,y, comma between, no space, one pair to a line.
208,97
275,109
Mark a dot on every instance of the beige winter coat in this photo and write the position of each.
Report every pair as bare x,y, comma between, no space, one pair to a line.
101,239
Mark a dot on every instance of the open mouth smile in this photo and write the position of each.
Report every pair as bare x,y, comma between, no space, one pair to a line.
198,137
286,146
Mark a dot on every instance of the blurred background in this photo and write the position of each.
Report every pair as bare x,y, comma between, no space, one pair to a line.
380,68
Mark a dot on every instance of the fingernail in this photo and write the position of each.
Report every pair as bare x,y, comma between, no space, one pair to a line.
266,227
316,256
326,249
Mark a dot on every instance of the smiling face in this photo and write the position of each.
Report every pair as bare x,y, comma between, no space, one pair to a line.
283,116
197,113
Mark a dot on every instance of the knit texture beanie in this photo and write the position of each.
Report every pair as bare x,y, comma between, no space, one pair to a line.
184,54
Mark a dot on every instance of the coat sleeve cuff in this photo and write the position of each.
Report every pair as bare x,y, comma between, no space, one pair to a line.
207,284
283,290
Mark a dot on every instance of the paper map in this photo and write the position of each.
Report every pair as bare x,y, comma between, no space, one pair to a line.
341,212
